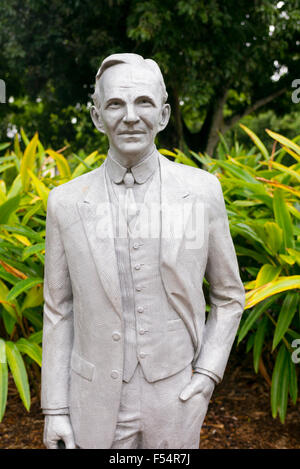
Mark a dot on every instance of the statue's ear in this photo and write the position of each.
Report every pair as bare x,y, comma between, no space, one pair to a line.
96,118
165,116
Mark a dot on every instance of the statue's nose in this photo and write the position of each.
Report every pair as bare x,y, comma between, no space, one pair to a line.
131,115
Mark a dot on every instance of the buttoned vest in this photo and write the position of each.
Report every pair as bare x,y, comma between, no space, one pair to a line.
148,316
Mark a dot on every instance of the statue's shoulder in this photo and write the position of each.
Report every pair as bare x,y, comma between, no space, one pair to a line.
194,178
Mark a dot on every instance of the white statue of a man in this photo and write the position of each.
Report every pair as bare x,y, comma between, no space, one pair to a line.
129,360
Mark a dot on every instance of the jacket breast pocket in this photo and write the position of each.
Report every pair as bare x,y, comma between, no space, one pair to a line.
82,367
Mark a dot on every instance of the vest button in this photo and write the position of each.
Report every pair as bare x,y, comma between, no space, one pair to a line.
137,266
116,336
114,374
136,246
140,309
143,355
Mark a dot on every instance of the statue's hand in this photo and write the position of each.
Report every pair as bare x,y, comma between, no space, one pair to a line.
200,383
58,427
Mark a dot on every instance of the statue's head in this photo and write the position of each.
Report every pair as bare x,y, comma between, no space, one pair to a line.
130,103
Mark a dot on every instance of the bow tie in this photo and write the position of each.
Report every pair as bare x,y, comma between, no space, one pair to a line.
128,179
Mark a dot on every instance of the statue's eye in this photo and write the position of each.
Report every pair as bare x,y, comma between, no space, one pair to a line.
145,102
113,104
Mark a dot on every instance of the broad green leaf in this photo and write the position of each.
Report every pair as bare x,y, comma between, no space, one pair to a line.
8,208
37,337
283,218
5,167
29,213
62,163
239,173
287,312
33,298
40,187
257,141
28,161
3,146
266,274
259,257
25,231
23,286
86,163
15,188
287,259
9,321
277,286
3,378
274,236
31,349
8,306
18,370
182,158
29,251
294,254
259,341
256,312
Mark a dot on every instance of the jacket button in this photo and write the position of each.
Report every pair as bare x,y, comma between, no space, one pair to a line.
136,246
142,331
116,336
138,288
137,266
114,374
143,355
140,309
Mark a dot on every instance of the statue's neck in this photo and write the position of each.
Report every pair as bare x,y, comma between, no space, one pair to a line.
130,160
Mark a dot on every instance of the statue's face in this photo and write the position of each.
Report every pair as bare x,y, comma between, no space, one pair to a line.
131,112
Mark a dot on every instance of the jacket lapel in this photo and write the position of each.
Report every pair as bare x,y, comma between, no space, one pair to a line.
96,216
176,209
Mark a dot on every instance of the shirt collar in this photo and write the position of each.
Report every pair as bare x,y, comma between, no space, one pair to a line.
141,171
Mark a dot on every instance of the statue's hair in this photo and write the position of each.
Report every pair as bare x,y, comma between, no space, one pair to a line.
130,59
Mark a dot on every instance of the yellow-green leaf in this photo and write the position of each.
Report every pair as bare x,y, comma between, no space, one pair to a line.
62,163
284,141
40,187
279,285
266,274
28,161
257,141
283,218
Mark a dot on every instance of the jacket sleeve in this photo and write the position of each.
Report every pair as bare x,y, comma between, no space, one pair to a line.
226,291
58,317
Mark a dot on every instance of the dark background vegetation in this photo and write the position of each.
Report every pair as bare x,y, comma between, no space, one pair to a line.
217,57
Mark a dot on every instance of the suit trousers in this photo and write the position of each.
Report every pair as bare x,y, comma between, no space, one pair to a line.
151,415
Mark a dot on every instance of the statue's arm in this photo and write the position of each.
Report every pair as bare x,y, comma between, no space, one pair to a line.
227,295
57,331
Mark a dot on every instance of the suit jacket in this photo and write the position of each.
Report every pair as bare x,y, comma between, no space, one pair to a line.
82,363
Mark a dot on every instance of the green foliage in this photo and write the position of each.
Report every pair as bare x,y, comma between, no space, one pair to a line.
24,188
262,197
